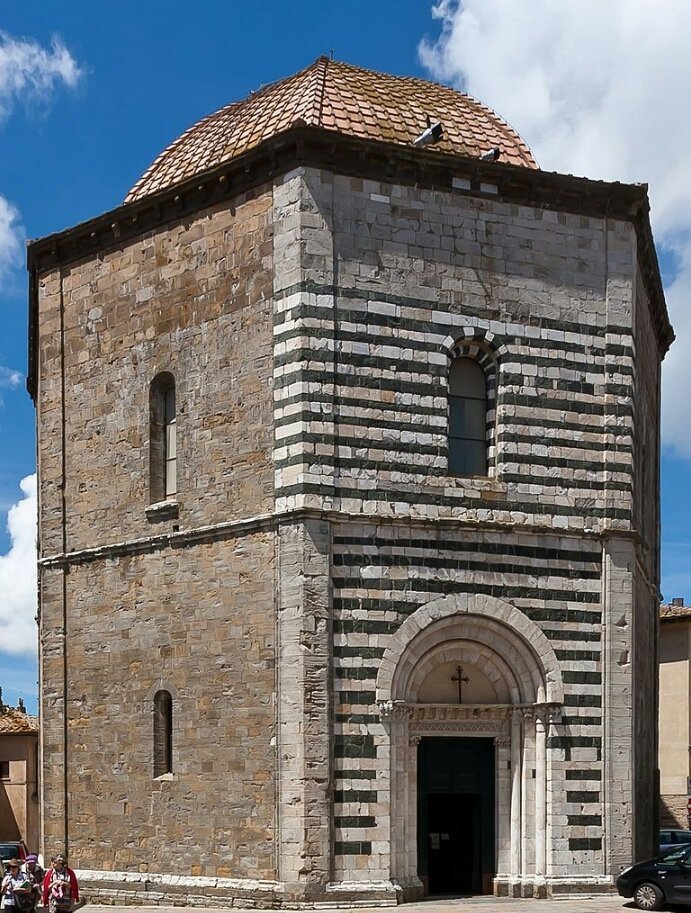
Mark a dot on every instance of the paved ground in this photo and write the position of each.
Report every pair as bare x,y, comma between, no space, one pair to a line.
481,904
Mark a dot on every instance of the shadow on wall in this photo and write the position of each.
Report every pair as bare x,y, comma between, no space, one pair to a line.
673,811
9,829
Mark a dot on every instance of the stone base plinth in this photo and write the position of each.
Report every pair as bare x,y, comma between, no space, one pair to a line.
151,890
539,887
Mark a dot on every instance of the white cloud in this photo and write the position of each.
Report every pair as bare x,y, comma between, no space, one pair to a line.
30,72
11,240
599,89
18,576
9,377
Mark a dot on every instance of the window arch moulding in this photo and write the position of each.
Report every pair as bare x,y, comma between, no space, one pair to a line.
479,346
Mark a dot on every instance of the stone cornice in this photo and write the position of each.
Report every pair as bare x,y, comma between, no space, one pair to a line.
332,151
270,521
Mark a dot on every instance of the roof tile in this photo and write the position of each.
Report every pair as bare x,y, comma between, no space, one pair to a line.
15,722
674,612
341,97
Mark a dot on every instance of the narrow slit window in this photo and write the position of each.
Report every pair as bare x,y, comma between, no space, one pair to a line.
163,468
169,432
467,418
163,733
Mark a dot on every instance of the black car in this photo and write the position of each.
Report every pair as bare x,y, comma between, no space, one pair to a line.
667,878
670,839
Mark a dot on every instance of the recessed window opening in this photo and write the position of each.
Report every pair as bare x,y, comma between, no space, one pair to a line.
163,733
163,438
169,433
467,418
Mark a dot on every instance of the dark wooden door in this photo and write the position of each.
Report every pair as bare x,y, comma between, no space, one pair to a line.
456,815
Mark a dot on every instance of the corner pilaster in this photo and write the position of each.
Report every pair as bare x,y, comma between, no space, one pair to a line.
304,724
618,560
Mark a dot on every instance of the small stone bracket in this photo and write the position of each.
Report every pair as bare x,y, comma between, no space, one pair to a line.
162,510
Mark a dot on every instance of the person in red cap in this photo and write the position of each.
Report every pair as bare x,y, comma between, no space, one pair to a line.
60,888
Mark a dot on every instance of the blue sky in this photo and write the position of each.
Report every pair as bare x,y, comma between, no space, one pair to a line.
72,147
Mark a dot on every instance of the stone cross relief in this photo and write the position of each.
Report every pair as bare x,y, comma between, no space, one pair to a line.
460,678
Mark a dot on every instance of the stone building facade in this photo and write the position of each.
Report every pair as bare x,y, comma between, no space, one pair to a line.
321,665
675,713
18,775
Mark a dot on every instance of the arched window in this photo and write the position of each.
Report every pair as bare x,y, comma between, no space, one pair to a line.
467,418
163,437
163,733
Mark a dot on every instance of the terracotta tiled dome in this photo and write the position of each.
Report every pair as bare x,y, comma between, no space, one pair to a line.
335,96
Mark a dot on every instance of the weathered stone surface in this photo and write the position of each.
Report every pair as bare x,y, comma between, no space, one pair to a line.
310,328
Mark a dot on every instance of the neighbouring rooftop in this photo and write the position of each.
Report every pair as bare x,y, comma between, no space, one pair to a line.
17,722
342,98
675,611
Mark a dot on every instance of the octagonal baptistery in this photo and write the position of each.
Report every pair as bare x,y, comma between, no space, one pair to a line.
347,452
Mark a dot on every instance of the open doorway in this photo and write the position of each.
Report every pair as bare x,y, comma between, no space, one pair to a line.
456,815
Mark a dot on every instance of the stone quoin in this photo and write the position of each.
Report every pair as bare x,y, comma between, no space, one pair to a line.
323,417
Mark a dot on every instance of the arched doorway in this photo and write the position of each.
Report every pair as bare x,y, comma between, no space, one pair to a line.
467,688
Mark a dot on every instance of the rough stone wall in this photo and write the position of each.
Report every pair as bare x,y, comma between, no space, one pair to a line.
194,616
195,300
646,414
645,714
304,718
196,622
646,609
373,287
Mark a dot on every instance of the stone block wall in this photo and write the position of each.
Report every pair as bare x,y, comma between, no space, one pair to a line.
396,281
195,300
381,575
141,605
199,623
646,447
310,326
397,277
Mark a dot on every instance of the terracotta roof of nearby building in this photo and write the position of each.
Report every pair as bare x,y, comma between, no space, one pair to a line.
15,722
674,612
343,98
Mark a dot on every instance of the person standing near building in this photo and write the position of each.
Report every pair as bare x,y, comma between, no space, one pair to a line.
60,887
34,874
13,882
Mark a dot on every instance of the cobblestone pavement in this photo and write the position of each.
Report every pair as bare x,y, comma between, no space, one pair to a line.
608,904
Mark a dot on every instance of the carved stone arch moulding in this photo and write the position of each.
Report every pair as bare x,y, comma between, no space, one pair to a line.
161,684
481,618
477,340
466,651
